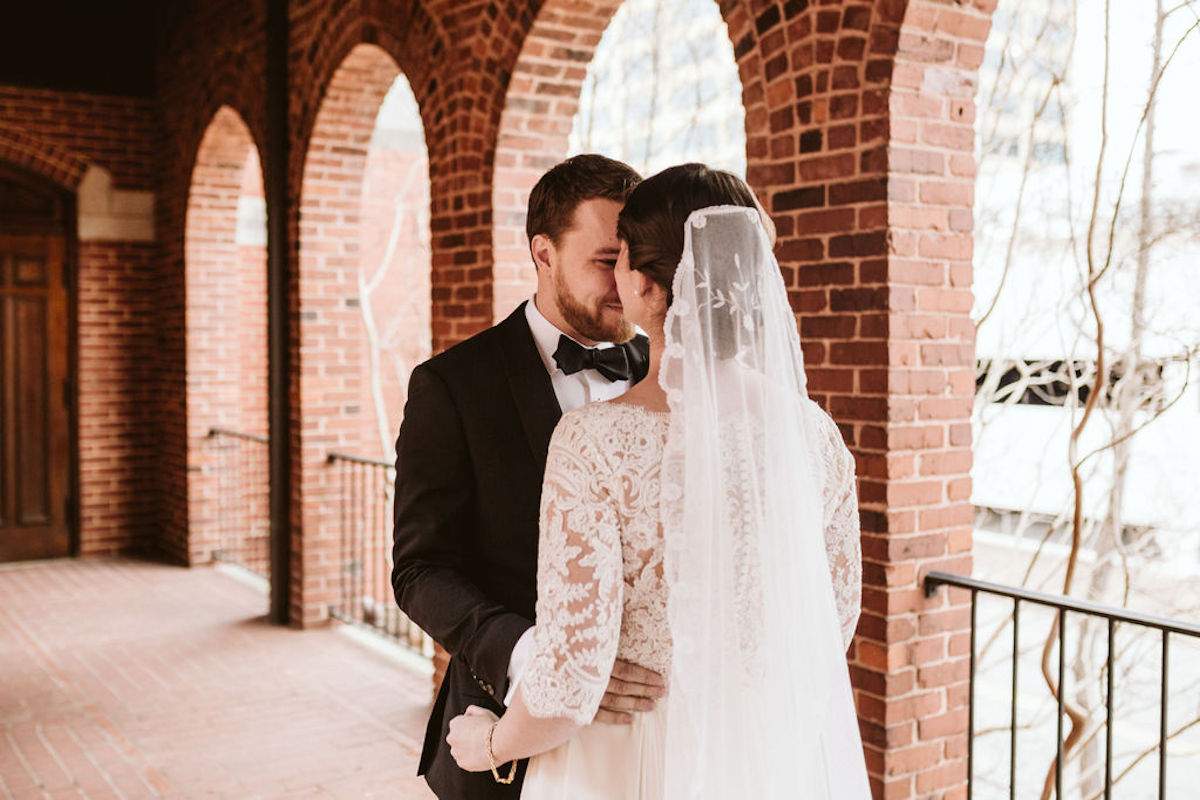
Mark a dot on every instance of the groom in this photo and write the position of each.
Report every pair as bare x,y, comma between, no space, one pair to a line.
472,449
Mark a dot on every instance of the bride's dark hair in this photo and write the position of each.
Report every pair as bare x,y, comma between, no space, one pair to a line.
651,223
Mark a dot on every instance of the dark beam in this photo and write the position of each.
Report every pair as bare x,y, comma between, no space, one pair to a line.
80,45
275,186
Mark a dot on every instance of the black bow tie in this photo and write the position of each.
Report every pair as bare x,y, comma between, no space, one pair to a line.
615,363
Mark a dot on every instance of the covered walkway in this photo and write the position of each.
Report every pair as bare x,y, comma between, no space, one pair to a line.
125,679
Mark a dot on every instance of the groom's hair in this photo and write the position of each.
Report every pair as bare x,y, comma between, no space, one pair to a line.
559,192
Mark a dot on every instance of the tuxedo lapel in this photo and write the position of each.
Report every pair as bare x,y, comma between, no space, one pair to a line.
529,383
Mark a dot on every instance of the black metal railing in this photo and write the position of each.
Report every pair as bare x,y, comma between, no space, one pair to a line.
365,493
1062,605
243,488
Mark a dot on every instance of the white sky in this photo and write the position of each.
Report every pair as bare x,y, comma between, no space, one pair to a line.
1177,134
399,109
1039,314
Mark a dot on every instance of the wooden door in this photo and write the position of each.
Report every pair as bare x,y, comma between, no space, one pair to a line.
35,432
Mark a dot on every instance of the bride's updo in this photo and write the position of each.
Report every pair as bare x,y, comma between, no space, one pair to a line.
652,222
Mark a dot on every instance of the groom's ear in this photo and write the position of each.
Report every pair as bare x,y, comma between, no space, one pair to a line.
541,248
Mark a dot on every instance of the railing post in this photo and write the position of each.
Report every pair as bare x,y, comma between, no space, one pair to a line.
1162,716
971,698
364,561
242,506
1108,707
1062,605
1062,674
1012,734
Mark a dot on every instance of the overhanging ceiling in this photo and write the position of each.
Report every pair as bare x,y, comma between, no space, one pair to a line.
104,46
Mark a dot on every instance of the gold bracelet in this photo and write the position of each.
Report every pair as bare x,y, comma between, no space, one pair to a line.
512,773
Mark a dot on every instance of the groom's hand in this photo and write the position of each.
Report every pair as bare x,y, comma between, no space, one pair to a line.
631,688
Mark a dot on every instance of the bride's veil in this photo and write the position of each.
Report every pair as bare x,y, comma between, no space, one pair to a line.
760,703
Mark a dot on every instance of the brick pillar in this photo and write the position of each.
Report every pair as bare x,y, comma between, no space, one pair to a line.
914,661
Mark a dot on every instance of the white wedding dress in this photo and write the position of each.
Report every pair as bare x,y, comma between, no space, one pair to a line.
602,594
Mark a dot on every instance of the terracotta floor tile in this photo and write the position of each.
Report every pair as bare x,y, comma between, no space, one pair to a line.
125,679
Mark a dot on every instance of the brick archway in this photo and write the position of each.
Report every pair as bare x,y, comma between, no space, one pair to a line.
60,166
332,382
232,78
453,89
226,342
858,122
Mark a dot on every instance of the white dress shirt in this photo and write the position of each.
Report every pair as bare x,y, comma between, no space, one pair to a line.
572,391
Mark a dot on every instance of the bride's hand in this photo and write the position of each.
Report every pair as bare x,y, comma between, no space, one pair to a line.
468,738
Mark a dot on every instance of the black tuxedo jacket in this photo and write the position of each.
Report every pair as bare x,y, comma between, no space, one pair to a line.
469,464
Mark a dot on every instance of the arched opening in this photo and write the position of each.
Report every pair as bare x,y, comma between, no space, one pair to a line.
226,313
650,82
394,254
364,324
663,89
1087,403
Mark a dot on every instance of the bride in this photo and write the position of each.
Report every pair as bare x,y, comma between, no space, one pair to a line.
703,526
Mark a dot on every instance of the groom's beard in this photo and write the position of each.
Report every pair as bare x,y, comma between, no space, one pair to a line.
589,322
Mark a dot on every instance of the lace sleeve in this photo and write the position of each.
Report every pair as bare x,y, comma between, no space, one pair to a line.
843,543
579,581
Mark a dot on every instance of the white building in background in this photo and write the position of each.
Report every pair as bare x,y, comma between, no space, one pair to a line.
663,89
1029,266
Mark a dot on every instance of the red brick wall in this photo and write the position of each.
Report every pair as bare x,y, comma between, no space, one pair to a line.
59,135
116,335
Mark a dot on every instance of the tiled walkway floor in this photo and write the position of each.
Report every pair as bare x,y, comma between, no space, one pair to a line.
123,679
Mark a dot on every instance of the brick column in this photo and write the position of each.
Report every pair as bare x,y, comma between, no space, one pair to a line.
913,657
